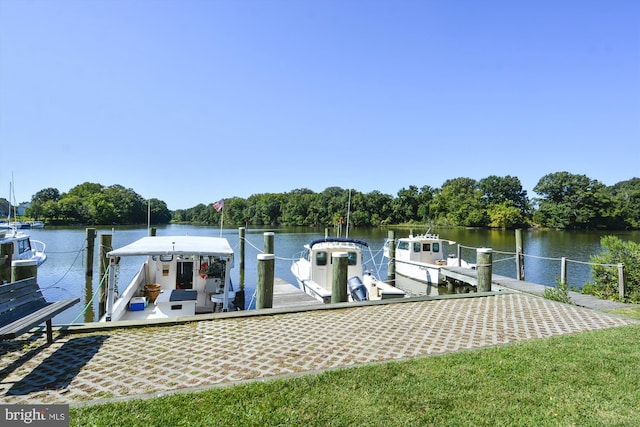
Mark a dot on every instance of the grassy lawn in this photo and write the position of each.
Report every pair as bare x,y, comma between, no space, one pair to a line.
632,312
586,379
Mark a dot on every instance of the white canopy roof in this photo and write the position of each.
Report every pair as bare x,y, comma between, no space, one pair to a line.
175,245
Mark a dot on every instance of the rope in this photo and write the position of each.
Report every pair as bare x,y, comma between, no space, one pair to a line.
90,303
253,298
52,286
541,257
503,259
504,253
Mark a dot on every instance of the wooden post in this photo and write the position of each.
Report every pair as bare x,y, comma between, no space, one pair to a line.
6,256
484,259
91,240
240,299
268,242
519,255
459,255
152,232
242,233
265,281
339,284
105,247
89,312
621,281
24,269
563,270
391,267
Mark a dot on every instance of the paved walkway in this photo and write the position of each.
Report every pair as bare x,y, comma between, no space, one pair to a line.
112,364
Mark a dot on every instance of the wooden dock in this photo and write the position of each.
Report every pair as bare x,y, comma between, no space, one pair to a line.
498,282
286,295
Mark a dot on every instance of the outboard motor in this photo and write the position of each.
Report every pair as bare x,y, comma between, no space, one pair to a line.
357,289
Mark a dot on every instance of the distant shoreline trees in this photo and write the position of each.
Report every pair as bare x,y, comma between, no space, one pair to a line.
565,201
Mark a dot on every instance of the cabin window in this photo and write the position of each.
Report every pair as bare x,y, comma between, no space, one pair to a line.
321,258
426,247
403,245
352,258
436,247
23,246
416,246
166,258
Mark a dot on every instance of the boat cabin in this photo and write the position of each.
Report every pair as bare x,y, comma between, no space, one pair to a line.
24,249
320,256
426,248
182,275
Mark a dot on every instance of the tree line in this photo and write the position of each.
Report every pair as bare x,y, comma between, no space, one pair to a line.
564,201
94,204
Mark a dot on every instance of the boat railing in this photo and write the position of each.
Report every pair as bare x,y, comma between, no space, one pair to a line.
38,246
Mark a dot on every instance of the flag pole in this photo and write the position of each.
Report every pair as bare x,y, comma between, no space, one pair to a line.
221,218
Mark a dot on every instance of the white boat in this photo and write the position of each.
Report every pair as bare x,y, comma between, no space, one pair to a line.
35,224
181,276
24,248
422,256
314,271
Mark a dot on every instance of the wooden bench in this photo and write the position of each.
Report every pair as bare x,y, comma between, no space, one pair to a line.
23,307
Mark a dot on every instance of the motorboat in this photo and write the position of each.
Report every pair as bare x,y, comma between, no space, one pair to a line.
35,224
421,257
181,276
24,248
313,271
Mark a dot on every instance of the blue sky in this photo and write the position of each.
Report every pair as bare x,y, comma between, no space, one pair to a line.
191,101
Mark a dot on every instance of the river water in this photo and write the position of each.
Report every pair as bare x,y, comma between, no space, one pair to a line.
63,274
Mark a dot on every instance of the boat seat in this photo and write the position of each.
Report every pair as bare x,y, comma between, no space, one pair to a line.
218,299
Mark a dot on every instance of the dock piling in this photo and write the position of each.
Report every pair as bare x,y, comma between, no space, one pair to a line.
519,255
241,233
484,257
266,264
391,268
268,242
91,241
339,284
6,252
23,269
105,247
621,281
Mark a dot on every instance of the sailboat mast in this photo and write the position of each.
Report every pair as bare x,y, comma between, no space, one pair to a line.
348,213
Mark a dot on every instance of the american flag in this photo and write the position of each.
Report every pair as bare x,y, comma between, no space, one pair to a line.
218,205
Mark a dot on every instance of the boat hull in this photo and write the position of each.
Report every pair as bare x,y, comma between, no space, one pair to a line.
425,273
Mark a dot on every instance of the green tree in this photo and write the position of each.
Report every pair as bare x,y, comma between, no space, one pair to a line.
5,207
459,202
39,200
497,190
572,201
160,214
101,210
626,201
605,271
505,215
405,206
129,207
380,206
505,201
295,206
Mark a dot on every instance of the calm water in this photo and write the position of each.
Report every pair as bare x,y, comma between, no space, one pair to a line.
63,274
